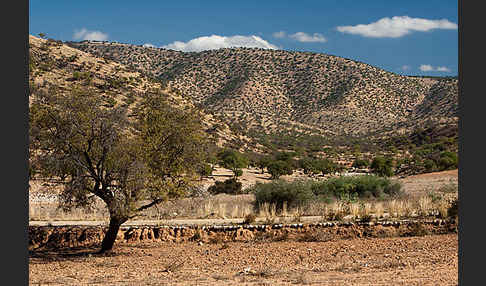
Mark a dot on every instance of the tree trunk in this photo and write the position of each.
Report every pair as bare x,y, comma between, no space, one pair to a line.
110,236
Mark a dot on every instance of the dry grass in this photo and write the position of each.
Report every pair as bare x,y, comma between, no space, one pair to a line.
379,210
239,206
367,209
355,209
425,205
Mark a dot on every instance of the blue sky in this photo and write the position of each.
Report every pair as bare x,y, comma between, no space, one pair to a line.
405,37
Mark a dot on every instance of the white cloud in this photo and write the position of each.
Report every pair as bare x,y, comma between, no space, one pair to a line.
396,27
426,68
443,69
431,68
405,68
306,38
84,34
279,35
216,42
148,45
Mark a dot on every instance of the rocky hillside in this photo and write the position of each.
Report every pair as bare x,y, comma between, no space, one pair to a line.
269,91
56,65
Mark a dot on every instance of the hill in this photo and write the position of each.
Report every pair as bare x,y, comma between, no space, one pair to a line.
56,66
275,92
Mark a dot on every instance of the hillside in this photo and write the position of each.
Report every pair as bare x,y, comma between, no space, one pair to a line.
54,65
261,91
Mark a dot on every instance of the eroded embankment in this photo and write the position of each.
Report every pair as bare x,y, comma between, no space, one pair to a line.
46,237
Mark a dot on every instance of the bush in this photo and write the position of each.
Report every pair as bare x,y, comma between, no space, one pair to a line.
363,186
205,170
448,160
230,186
382,166
360,163
297,193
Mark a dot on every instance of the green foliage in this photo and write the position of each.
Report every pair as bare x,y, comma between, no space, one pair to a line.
317,166
448,160
347,189
360,163
233,160
382,166
263,162
91,149
229,186
279,168
297,193
205,170
361,186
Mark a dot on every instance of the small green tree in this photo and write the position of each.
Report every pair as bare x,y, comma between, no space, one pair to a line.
263,162
279,168
233,160
93,150
382,166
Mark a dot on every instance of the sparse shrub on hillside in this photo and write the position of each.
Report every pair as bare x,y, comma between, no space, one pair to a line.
205,170
229,186
361,163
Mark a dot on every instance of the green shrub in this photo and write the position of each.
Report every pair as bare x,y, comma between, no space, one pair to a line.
297,193
360,163
349,189
363,186
205,170
382,166
430,165
230,186
448,160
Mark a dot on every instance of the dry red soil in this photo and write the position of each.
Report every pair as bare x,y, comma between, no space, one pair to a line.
426,260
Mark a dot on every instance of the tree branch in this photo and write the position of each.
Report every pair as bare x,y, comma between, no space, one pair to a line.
154,202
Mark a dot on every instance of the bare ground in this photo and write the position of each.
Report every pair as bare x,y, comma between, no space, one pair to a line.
427,260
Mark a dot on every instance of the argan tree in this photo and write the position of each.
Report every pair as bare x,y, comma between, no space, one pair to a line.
233,160
131,159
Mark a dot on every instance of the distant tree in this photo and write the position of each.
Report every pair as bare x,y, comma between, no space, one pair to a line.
279,168
93,150
360,163
42,35
308,165
263,162
233,160
382,166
